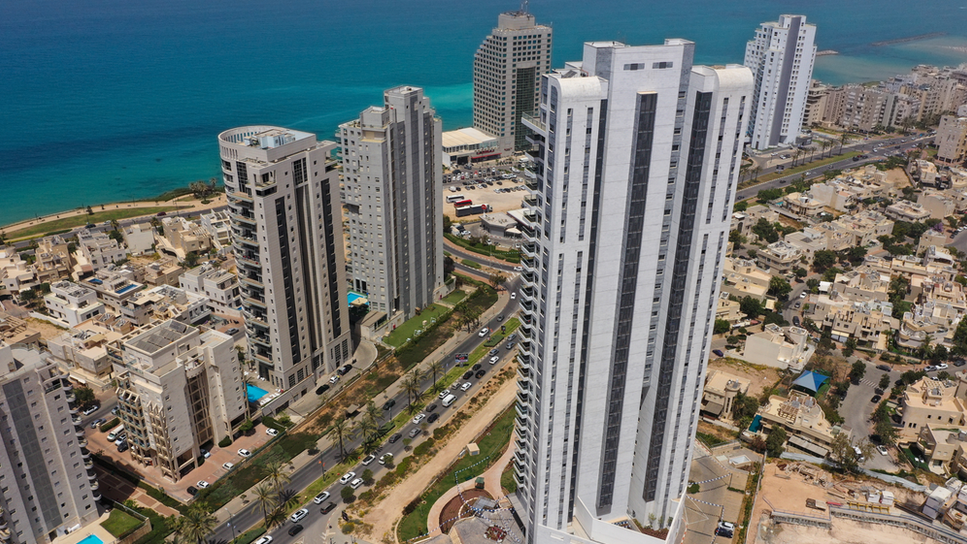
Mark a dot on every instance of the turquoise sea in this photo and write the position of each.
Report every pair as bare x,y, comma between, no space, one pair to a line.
107,100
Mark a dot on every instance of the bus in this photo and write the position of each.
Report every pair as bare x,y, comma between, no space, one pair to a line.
454,198
461,203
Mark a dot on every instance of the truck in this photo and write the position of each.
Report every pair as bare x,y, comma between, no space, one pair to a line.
475,209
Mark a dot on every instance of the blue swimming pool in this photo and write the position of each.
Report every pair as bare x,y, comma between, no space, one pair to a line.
255,393
354,296
91,539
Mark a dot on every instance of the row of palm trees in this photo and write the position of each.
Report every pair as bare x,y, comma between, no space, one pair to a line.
273,497
824,146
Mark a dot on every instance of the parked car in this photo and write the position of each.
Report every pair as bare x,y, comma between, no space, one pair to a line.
272,432
333,379
432,418
244,453
432,407
395,438
468,374
475,368
942,366
202,484
123,447
875,399
90,410
929,368
322,389
466,386
480,373
228,466
98,422
192,490
882,449
884,368
718,352
347,477
295,529
385,458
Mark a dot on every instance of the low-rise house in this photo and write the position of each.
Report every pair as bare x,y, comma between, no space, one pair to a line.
938,254
863,282
182,236
837,239
910,212
221,287
833,195
139,238
864,320
779,257
744,221
72,304
219,228
96,251
721,389
53,260
164,271
930,401
728,309
803,419
865,227
940,445
15,273
937,203
82,351
803,205
742,278
778,347
14,330
807,242
926,173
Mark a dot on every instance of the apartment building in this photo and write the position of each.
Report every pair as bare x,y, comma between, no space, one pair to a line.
781,57
808,243
864,320
14,330
83,349
96,250
936,203
178,389
865,227
625,231
803,205
53,260
778,347
183,236
393,194
951,139
780,257
863,283
742,278
930,401
71,303
218,225
283,198
507,69
220,287
15,273
902,210
164,271
139,238
728,309
48,486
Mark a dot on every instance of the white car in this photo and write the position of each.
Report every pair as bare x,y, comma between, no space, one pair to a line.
321,497
369,459
202,484
802,295
228,466
513,296
334,378
466,386
347,477
264,540
356,483
942,366
91,410
444,393
244,453
494,359
299,515
385,457
518,269
418,418
272,432
483,332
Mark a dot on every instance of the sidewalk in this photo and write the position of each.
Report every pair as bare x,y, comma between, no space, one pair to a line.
223,514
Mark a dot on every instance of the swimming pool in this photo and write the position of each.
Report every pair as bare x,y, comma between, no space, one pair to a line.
91,539
354,296
255,393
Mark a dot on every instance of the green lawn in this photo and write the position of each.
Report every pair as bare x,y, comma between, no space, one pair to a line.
80,220
472,264
512,255
408,329
455,297
120,523
491,445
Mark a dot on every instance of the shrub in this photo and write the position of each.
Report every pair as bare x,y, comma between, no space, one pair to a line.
347,494
424,447
105,427
225,442
693,489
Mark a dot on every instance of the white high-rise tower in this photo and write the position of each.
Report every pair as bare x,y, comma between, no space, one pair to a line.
781,57
638,156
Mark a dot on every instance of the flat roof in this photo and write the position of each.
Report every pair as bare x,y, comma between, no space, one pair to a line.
466,136
159,337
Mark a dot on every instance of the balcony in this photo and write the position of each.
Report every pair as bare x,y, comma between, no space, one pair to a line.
91,475
532,184
252,282
242,218
96,496
71,398
247,261
530,201
82,442
249,301
77,421
533,216
79,433
529,250
522,397
88,463
95,486
85,454
534,123
73,410
528,306
523,413
260,340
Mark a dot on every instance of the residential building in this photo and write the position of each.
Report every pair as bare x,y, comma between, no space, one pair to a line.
178,389
742,278
15,273
70,304
507,71
49,484
139,238
721,389
53,260
865,227
863,283
836,238
744,221
218,285
637,158
780,257
808,241
728,309
951,139
218,225
815,104
778,347
466,145
14,330
803,205
930,401
393,185
864,320
781,57
183,236
926,173
82,350
164,271
803,420
940,445
282,188
902,210
96,250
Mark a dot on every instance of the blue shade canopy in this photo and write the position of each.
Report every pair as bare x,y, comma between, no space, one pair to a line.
810,380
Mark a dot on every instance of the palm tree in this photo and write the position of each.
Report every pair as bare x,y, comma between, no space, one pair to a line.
287,498
434,368
755,172
265,496
366,427
196,523
339,430
411,385
373,412
826,145
277,475
844,139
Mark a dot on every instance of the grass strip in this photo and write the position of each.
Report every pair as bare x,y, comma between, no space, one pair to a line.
83,219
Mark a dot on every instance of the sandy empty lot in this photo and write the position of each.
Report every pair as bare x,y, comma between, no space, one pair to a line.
760,376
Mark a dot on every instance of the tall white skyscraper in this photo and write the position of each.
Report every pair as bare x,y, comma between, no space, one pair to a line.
393,185
283,199
506,75
781,57
637,155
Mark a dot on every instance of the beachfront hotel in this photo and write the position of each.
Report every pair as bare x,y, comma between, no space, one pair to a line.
393,185
638,155
283,199
507,71
48,486
781,57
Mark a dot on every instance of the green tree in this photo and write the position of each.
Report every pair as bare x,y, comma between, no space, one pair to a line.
721,326
347,495
765,195
744,406
496,279
751,307
737,238
765,230
849,347
779,287
855,254
339,431
411,386
196,523
741,206
800,272
883,426
884,381
447,224
823,259
277,475
435,368
813,285
775,441
368,477
857,371
85,396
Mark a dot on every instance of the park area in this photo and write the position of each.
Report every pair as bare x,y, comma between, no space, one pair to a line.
419,322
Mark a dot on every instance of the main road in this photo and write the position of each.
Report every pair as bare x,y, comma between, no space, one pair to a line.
316,523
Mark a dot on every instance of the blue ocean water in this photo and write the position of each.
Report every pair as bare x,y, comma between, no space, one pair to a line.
108,100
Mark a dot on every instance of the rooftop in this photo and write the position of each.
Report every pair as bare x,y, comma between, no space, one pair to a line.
159,337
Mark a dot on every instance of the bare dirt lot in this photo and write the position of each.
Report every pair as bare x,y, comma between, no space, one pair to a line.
762,377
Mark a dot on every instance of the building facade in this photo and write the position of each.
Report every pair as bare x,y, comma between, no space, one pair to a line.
507,71
47,482
283,196
178,389
626,229
393,187
781,56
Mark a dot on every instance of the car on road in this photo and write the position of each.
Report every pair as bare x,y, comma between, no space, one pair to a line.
356,483
414,432
802,295
264,540
395,438
295,529
942,366
718,352
418,418
272,432
875,399
518,269
483,332
468,374
389,404
884,368
466,386
98,422
443,394
322,389
344,370
432,418
91,410
494,351
321,498
500,318
385,458
960,362
244,453
476,367
882,449
228,466
480,373
347,477
299,515
511,345
512,337
202,484
929,368
513,296
797,305
494,359
369,459
327,508
795,320
432,407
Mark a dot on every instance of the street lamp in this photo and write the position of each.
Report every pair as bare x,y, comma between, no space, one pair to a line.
231,523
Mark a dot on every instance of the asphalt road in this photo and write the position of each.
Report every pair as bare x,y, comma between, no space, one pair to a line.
467,254
315,523
864,146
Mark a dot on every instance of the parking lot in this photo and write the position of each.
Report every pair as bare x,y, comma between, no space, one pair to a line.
481,191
